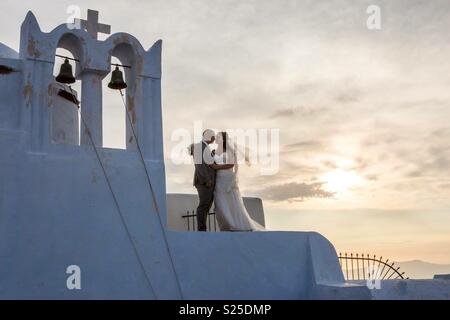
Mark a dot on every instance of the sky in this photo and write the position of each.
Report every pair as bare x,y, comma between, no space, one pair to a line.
362,114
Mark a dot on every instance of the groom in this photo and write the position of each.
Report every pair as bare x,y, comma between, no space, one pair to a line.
204,177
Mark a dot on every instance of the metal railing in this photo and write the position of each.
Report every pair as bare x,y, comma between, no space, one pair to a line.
363,267
191,220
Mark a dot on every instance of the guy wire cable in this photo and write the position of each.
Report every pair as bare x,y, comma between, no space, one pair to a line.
153,195
115,200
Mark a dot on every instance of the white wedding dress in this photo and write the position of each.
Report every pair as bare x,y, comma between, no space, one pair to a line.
231,213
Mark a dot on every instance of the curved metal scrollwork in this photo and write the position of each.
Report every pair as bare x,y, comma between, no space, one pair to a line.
363,267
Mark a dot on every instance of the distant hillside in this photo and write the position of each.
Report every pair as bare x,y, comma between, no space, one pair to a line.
417,269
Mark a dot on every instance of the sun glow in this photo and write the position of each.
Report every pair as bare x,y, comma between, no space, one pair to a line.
340,181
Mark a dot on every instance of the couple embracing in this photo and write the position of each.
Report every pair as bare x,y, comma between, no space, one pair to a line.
216,181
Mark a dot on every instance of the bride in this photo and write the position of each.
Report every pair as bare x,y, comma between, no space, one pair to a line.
231,214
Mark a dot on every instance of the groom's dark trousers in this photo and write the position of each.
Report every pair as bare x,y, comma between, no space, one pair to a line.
206,197
204,182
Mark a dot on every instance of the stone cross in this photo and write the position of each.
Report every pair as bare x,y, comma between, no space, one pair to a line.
92,26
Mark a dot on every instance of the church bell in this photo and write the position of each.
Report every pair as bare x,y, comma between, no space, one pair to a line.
117,82
65,73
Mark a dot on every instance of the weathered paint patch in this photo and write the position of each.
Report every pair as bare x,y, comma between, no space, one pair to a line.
122,39
50,95
139,66
94,176
27,91
32,49
131,108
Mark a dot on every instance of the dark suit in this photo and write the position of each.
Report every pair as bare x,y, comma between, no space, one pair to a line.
204,182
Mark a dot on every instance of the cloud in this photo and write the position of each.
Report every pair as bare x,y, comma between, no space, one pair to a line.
303,145
445,186
297,111
349,96
329,164
438,166
294,192
430,159
283,113
441,133
371,177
